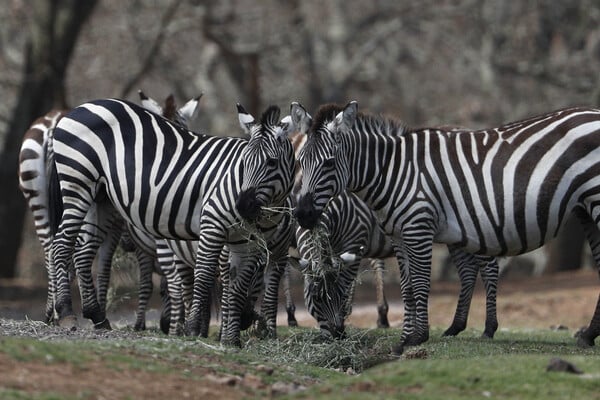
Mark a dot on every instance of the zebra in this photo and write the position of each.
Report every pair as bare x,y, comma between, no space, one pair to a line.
172,183
35,152
32,182
491,192
330,257
177,259
349,230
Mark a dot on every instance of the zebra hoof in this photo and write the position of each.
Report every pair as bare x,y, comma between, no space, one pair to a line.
191,330
487,335
584,342
232,342
398,350
69,322
383,323
164,325
293,323
104,324
140,326
453,331
415,339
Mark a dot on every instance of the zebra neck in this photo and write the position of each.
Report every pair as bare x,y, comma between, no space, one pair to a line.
376,162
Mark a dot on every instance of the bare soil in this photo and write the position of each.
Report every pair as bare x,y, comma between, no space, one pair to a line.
566,299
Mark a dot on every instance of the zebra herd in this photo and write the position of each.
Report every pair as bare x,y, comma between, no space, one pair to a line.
337,188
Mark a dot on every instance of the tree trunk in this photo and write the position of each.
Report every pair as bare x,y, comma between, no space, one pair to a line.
54,31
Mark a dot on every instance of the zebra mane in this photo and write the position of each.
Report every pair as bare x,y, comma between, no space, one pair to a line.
271,116
379,124
326,113
382,125
170,110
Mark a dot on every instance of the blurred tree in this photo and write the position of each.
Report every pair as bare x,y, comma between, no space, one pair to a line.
54,30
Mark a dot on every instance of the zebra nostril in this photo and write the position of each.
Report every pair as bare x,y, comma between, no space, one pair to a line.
248,205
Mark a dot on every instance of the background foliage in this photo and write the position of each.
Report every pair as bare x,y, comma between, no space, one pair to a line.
462,62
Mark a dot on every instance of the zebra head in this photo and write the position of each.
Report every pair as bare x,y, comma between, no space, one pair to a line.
268,162
328,278
324,164
327,295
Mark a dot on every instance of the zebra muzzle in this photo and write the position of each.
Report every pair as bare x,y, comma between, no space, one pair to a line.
248,204
305,212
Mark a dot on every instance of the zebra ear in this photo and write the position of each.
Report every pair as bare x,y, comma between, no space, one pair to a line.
246,120
347,117
286,127
301,119
150,104
189,111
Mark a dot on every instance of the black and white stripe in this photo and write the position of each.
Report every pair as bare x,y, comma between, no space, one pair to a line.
347,231
173,183
501,191
101,238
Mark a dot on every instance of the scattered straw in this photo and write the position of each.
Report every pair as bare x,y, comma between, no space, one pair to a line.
361,349
251,232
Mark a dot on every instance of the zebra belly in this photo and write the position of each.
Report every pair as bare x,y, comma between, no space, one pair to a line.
509,242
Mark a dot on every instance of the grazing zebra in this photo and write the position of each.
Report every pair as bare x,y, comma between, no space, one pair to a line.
331,254
347,231
173,183
493,192
35,153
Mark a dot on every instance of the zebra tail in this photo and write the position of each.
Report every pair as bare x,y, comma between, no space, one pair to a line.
55,201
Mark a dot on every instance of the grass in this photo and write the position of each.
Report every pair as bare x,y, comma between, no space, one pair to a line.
511,366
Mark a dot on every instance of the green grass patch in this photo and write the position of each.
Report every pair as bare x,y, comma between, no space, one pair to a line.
513,365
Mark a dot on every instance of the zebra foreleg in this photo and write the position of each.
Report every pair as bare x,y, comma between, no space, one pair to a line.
273,275
247,277
207,259
418,248
408,298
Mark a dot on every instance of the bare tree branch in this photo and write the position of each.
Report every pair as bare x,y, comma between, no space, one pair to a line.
148,62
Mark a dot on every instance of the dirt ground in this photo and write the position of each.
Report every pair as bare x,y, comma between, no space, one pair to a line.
567,299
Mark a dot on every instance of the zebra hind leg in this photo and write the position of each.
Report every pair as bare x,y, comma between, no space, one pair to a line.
467,272
587,336
146,266
377,266
489,274
290,307
165,315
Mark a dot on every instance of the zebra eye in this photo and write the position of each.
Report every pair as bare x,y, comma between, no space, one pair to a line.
272,162
329,163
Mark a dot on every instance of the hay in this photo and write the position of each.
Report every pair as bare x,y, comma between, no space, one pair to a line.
361,349
254,236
